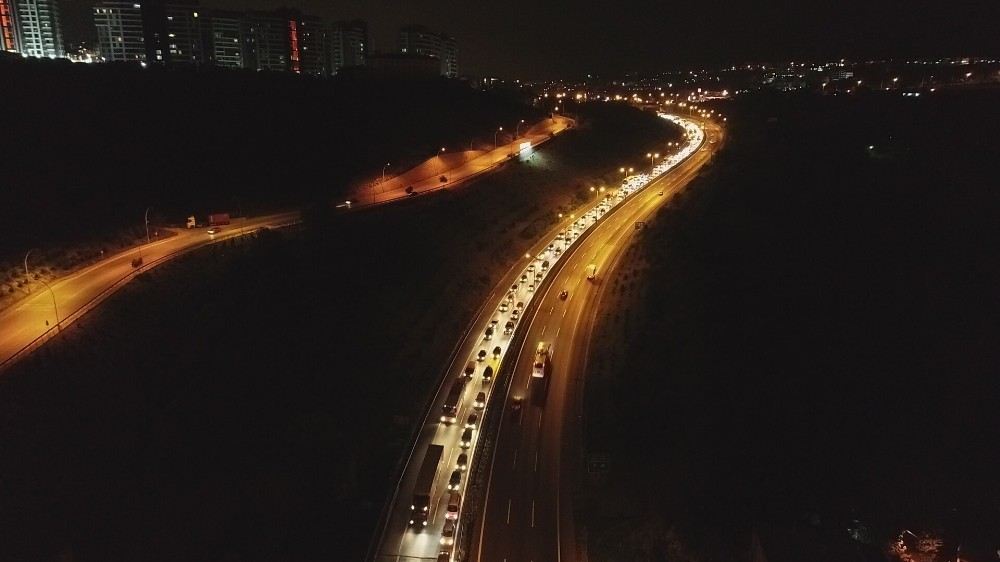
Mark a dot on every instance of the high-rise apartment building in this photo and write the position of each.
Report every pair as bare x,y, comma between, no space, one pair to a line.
8,26
348,44
38,28
311,44
183,43
119,31
285,40
449,56
418,40
225,39
267,44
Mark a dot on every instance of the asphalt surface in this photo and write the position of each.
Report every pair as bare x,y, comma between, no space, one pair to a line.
457,169
35,316
529,511
526,515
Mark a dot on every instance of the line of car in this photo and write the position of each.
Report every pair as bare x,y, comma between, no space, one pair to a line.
509,313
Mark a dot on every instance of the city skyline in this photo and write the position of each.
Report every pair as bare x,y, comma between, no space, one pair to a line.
561,39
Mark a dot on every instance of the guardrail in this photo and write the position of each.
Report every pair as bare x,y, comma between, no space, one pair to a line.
86,307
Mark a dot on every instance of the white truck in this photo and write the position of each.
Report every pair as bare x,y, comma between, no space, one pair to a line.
542,355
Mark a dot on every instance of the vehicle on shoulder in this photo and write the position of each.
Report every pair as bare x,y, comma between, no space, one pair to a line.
480,402
463,462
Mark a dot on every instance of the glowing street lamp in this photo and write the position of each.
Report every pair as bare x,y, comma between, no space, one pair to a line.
495,137
517,131
652,156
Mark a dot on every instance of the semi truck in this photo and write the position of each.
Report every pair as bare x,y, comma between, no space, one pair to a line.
541,365
421,508
214,219
449,411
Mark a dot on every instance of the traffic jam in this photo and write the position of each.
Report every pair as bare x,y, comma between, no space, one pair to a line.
441,480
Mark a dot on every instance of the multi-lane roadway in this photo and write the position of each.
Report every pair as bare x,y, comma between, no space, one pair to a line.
524,513
33,319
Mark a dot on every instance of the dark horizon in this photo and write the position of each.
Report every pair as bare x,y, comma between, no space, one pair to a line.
562,39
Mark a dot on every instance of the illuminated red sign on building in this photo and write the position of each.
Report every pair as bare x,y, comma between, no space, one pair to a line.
293,41
6,25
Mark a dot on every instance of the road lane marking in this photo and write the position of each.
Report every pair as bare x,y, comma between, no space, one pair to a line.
564,313
508,513
515,458
543,329
532,513
539,423
536,461
551,308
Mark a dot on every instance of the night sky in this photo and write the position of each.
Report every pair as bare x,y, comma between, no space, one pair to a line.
563,39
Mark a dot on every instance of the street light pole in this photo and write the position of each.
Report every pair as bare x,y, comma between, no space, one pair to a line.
495,137
146,219
517,134
383,181
54,307
26,274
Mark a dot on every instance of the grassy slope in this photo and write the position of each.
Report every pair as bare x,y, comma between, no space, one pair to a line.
819,341
250,401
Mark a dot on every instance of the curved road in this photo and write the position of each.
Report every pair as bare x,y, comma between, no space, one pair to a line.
529,514
31,321
522,499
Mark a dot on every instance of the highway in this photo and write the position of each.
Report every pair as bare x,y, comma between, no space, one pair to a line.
32,321
520,482
458,167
